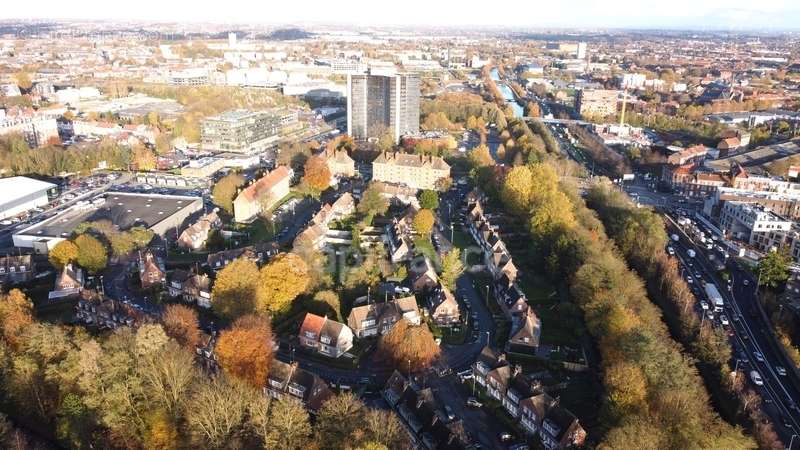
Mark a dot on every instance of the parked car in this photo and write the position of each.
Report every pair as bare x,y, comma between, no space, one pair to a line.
472,401
759,356
704,305
723,319
504,436
449,411
781,370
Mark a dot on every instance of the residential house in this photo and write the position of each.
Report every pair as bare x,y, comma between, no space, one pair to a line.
339,163
561,429
257,253
399,244
204,352
69,283
195,236
316,233
379,318
151,270
423,415
190,287
687,155
103,312
422,275
443,307
487,361
290,381
16,269
262,195
526,329
325,336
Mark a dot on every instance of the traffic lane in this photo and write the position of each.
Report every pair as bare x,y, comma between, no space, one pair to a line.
772,387
466,288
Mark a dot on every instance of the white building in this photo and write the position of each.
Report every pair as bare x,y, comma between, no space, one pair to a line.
36,130
746,221
581,53
22,194
633,80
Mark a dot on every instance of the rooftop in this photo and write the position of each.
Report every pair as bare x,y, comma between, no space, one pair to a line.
123,209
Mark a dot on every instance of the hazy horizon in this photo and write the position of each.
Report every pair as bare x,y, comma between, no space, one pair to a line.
735,15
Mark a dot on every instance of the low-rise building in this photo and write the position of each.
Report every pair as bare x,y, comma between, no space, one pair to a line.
151,270
190,287
194,237
443,307
240,131
415,171
290,381
325,336
69,283
203,167
16,270
748,222
379,318
257,253
339,163
262,195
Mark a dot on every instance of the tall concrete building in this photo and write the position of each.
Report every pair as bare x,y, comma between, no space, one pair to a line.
240,131
596,102
378,102
581,52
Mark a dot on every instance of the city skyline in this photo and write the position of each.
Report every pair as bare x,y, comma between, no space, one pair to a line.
681,14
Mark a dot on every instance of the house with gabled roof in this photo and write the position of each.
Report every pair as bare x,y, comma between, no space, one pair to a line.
151,270
290,381
262,194
443,307
69,283
195,236
257,253
526,330
376,319
325,336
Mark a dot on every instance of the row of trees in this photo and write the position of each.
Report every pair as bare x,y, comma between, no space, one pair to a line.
242,288
139,388
613,163
92,241
16,158
640,236
654,397
461,108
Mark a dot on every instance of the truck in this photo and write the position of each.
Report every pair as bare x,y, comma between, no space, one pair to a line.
714,295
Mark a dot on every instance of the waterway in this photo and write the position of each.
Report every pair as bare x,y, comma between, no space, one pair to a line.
508,94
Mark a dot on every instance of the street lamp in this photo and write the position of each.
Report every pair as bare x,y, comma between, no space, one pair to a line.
487,295
791,441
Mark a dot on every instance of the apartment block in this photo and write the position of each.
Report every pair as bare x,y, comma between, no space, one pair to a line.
240,131
596,102
379,102
415,171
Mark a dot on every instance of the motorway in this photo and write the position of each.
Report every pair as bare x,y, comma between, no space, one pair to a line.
751,347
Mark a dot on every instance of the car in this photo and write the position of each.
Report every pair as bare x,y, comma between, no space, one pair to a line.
472,401
710,315
504,436
723,319
781,370
704,305
759,357
698,275
449,412
746,282
756,377
671,251
786,422
689,279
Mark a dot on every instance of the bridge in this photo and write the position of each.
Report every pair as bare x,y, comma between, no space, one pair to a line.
557,121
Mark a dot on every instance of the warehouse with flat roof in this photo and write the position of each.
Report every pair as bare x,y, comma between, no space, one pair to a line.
21,194
159,213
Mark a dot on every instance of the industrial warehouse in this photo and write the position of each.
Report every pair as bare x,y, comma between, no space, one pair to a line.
22,194
159,213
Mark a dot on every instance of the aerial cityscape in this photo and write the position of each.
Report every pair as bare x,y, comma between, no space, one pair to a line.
330,226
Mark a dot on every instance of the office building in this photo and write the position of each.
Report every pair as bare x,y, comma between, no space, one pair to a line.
23,194
596,102
379,102
415,171
240,131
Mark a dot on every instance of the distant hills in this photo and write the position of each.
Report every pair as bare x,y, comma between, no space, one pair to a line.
288,34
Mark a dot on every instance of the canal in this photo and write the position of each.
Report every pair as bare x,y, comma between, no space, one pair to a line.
508,94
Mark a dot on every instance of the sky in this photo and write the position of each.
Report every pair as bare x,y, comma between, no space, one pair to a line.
681,14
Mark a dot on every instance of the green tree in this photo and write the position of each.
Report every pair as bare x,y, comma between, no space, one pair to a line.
773,269
225,191
480,156
452,267
429,199
92,254
372,202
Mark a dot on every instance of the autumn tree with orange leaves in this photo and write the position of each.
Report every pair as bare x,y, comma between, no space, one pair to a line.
317,174
16,313
409,347
181,323
245,350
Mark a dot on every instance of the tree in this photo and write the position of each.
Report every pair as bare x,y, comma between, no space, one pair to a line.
773,269
480,156
16,313
23,80
429,199
143,158
181,323
408,347
150,338
62,254
317,175
331,300
218,410
92,254
452,267
340,421
162,432
280,282
437,121
225,191
281,424
372,202
168,374
423,222
234,290
245,350
516,190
